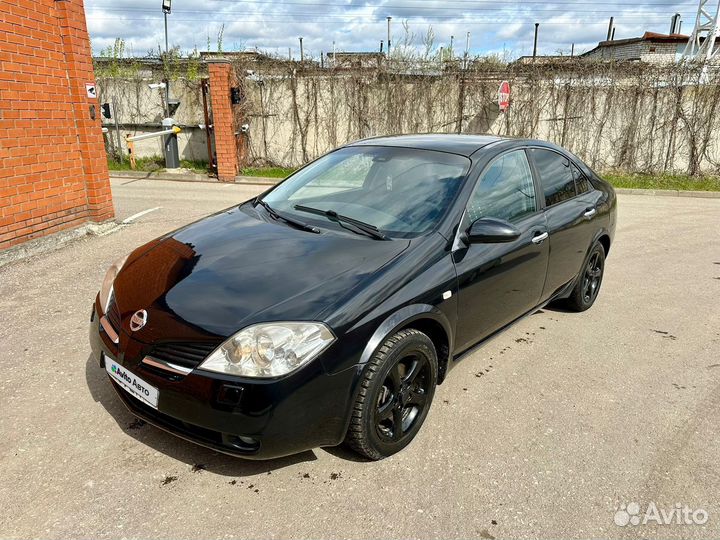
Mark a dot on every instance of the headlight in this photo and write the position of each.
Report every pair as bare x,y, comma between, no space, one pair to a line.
270,349
107,285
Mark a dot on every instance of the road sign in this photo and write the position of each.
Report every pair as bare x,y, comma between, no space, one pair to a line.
91,90
504,96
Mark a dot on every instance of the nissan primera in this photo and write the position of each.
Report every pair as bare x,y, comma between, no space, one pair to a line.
328,309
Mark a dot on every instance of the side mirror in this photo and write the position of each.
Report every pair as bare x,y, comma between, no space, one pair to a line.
491,231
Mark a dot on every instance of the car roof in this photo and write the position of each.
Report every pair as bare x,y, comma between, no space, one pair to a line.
464,145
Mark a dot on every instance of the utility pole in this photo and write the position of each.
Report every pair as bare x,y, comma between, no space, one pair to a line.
467,50
572,50
537,26
388,35
452,47
382,44
166,33
610,28
117,128
302,52
167,9
172,155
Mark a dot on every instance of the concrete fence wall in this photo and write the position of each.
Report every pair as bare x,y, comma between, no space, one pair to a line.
140,109
633,116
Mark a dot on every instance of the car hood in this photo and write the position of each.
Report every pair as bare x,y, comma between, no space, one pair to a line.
234,269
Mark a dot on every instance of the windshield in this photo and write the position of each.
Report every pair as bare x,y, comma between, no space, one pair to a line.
403,192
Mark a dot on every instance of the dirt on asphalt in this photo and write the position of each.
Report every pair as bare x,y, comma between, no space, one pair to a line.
550,430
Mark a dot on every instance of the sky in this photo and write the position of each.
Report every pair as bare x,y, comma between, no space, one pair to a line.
503,27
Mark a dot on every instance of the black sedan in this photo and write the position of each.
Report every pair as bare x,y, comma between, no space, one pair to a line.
330,307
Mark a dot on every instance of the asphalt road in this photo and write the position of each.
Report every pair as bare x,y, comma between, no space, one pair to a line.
544,432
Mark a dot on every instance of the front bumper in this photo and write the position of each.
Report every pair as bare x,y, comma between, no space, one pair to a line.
262,420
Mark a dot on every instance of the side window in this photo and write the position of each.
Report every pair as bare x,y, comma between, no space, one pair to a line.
582,184
505,190
556,176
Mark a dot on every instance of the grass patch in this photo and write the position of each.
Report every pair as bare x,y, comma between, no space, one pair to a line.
662,181
156,164
143,164
267,172
196,165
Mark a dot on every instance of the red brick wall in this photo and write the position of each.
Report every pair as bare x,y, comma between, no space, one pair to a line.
221,77
53,173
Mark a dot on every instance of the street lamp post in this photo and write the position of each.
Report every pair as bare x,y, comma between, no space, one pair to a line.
172,155
167,9
388,36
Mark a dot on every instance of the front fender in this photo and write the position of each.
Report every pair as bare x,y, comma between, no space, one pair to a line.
401,319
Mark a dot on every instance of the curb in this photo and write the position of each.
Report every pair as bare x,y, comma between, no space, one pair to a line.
192,177
669,193
178,177
258,180
54,242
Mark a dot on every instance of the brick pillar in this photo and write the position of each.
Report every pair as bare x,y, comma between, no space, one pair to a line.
53,173
221,77
78,61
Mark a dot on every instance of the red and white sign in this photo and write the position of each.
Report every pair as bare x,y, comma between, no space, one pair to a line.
504,96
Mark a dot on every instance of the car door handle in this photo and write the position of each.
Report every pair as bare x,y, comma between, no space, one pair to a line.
540,238
590,213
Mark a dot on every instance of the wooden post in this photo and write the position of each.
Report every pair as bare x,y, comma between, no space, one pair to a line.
131,151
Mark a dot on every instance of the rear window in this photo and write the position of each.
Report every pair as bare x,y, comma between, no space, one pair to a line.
555,174
582,184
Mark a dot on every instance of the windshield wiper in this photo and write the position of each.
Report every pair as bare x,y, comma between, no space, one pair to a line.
290,221
367,228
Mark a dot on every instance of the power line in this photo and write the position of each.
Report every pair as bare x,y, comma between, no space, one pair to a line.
412,22
690,5
355,15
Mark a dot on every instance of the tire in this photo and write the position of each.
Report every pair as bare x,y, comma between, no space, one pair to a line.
396,391
589,281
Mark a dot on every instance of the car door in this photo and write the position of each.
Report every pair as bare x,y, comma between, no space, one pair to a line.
570,210
500,282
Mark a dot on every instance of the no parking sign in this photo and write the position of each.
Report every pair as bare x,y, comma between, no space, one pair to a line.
504,96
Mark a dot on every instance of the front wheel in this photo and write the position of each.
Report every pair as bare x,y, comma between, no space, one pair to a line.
395,394
588,285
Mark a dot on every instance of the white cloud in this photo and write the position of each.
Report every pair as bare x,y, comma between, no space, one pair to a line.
360,25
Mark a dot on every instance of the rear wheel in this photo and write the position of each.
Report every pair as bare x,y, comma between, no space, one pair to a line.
588,285
395,395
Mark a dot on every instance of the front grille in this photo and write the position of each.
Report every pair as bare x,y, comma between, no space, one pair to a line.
187,355
113,314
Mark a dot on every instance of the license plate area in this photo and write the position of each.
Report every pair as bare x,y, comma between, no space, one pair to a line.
131,383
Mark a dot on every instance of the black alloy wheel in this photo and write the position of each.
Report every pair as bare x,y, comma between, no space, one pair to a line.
403,397
589,281
395,395
592,278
